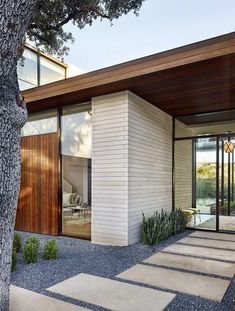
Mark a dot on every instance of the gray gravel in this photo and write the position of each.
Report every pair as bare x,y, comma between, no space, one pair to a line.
76,256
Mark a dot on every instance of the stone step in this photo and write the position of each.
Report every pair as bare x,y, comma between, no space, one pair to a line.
208,243
201,265
188,283
25,300
198,251
112,294
214,235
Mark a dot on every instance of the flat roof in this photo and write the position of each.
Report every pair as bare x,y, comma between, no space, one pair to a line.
193,79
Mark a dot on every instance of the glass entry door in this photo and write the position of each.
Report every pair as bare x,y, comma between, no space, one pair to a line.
204,185
226,191
213,183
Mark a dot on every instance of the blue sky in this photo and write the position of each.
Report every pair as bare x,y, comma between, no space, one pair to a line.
161,25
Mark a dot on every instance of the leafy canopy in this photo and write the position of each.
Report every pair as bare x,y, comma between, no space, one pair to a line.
46,29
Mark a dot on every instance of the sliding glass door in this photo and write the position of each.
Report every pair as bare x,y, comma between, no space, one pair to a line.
204,176
204,185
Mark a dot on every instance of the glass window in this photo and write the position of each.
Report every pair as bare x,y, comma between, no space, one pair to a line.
40,123
27,70
76,169
50,71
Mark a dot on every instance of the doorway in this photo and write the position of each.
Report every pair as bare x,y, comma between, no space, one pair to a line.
213,185
203,181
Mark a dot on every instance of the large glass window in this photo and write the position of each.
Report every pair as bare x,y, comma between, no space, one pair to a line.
76,170
50,71
42,122
27,70
35,69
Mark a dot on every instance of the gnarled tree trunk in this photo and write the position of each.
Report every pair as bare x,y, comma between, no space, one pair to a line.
15,16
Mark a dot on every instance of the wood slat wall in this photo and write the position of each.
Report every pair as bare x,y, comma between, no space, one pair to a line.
38,208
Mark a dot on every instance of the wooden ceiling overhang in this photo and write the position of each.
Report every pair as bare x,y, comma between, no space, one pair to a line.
192,80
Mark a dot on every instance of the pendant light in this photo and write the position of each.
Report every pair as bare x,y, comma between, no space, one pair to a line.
228,146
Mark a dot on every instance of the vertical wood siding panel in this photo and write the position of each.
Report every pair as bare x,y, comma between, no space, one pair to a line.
38,201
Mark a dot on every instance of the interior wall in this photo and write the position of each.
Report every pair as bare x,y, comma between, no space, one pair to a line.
75,174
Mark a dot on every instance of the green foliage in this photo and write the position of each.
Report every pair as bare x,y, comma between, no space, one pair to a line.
17,242
50,250
30,253
178,221
33,240
30,250
161,226
46,29
13,259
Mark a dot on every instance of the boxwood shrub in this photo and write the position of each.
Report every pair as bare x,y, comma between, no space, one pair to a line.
50,250
17,242
30,250
13,259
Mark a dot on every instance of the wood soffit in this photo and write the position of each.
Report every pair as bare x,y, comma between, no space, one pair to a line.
194,79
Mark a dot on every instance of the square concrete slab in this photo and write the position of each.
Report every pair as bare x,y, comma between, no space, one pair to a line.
25,300
193,264
198,285
208,243
112,294
198,251
214,235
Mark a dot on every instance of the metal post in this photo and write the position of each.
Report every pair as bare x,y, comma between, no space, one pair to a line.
217,183
229,186
173,163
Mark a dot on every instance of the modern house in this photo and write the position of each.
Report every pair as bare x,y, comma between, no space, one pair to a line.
101,148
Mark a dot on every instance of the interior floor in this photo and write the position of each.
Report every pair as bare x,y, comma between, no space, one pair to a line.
78,225
226,223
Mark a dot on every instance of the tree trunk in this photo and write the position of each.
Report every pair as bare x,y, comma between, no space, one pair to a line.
15,16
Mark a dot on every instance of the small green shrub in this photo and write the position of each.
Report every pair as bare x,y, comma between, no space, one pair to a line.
178,221
30,252
13,259
17,242
161,226
50,250
33,240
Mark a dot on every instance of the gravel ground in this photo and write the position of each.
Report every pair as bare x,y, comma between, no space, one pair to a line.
76,256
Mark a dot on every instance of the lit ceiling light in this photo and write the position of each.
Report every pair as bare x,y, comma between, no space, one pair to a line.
228,147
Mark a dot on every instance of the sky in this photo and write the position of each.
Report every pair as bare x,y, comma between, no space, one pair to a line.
161,25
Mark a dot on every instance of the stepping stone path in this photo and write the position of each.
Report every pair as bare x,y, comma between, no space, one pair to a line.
213,235
198,251
112,294
209,243
26,300
202,264
200,285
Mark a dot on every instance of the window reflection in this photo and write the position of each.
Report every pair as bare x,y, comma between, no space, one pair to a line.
27,69
76,169
50,71
35,69
40,123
